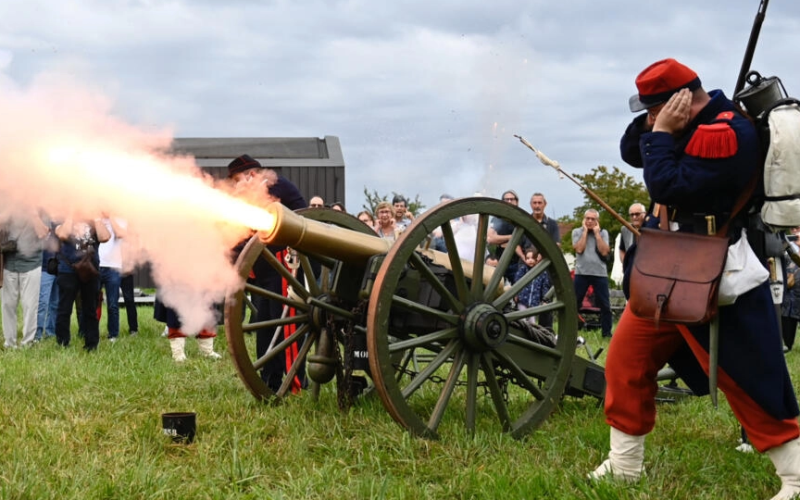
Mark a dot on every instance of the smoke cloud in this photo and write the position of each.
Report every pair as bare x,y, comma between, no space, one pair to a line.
62,151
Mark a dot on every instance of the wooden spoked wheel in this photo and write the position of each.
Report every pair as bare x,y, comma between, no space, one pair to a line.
466,356
310,298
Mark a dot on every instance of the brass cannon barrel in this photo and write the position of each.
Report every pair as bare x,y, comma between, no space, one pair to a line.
295,231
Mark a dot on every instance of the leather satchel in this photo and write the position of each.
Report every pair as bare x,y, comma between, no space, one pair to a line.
675,276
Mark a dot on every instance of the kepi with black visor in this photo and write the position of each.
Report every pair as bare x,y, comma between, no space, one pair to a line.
659,81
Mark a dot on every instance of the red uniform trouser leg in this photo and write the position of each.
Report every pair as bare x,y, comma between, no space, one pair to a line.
636,353
763,430
174,333
206,334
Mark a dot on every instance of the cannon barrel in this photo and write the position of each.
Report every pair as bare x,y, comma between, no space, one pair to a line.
310,236
295,231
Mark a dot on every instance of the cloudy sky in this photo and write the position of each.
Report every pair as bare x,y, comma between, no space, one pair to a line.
424,95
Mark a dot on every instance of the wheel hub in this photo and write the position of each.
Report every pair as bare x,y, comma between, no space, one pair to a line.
318,317
483,328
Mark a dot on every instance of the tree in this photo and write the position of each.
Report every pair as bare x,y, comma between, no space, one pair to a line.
618,189
373,198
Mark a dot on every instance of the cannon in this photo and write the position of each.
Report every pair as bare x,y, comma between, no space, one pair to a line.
440,347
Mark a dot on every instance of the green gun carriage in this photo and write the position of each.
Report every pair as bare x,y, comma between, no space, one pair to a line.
444,350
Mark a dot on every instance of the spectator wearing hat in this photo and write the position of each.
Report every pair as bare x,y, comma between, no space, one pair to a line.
245,169
698,155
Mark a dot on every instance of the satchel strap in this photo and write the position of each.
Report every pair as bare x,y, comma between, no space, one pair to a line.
661,301
663,210
741,201
663,217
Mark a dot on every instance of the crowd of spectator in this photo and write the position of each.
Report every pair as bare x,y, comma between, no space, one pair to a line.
390,219
55,267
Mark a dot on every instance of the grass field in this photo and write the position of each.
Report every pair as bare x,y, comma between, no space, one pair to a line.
87,425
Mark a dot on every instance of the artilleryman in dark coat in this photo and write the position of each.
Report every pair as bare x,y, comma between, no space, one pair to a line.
750,341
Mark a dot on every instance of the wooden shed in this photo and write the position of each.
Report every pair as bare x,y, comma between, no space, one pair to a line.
314,165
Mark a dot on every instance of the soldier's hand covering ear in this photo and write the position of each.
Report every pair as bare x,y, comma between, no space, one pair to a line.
674,115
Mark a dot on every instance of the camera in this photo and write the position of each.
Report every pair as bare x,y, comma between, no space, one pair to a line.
791,237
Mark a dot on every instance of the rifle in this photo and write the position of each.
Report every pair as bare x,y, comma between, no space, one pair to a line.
751,46
713,347
551,163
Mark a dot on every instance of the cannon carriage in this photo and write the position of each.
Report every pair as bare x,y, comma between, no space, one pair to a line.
412,324
440,344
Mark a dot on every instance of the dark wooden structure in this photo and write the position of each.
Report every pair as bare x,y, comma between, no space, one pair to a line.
314,165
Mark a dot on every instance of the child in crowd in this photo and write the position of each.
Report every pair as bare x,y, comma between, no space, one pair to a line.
533,293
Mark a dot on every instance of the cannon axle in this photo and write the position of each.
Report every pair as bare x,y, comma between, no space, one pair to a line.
483,328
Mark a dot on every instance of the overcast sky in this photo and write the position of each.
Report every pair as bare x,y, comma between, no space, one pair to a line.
424,95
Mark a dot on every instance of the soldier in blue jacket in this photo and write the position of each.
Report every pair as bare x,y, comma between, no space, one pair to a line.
698,154
247,169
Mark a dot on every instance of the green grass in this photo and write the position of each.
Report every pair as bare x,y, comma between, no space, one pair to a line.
87,425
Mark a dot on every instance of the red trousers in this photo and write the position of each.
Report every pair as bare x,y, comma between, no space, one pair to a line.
175,333
636,353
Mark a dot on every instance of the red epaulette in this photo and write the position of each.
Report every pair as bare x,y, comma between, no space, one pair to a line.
715,140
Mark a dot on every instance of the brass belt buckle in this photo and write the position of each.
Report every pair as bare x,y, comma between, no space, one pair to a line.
711,225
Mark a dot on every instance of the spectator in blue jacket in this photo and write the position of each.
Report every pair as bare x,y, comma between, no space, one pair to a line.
533,293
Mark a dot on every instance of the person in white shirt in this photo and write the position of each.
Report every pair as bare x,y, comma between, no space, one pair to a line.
110,253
